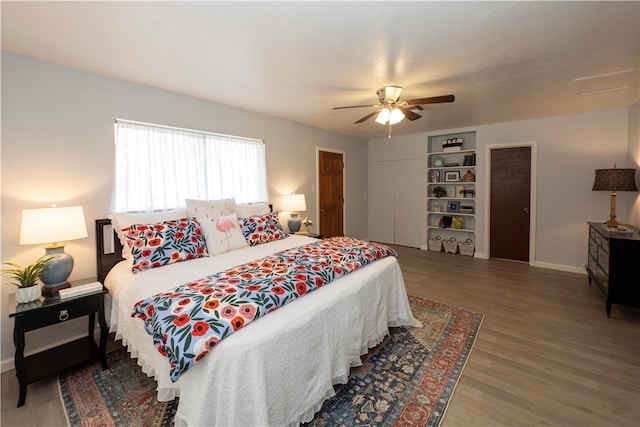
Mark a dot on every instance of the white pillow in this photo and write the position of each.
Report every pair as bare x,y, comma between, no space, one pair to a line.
222,234
246,210
124,220
210,208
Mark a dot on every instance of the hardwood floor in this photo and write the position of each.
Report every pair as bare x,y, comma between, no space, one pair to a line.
546,353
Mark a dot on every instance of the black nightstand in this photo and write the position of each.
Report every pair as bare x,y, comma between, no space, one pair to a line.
46,312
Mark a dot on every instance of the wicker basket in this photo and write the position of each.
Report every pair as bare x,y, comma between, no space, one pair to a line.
450,246
435,244
467,247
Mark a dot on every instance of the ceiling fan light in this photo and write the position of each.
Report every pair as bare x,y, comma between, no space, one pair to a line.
396,116
383,116
392,93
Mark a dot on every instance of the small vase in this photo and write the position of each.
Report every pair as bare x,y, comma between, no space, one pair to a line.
30,294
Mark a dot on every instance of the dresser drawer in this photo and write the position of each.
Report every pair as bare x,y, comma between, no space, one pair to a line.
61,313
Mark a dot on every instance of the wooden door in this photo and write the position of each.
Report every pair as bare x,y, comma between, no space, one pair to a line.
330,193
509,206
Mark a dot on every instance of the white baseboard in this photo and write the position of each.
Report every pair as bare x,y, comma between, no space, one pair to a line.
567,268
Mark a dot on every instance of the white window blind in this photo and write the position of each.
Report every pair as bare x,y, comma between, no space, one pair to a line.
158,167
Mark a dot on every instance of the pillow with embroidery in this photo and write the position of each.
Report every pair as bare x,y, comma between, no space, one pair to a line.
163,243
262,229
223,234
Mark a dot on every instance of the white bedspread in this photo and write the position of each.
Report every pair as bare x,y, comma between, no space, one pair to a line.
279,369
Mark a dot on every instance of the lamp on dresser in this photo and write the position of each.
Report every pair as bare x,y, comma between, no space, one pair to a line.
52,226
614,180
294,203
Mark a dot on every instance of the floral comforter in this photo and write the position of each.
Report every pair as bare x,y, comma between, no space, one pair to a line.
188,321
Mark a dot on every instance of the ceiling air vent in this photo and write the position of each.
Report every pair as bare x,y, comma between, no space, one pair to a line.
608,82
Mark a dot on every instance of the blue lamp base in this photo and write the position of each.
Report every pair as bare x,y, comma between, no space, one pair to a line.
294,223
57,271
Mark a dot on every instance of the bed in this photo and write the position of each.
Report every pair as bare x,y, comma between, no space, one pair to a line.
279,369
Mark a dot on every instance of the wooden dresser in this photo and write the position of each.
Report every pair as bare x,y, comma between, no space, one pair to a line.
614,264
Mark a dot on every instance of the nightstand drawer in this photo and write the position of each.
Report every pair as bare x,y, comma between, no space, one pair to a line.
61,313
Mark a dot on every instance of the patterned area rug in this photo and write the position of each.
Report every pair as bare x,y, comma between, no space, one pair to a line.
407,380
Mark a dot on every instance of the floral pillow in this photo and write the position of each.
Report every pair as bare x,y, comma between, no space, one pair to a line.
163,243
262,229
222,234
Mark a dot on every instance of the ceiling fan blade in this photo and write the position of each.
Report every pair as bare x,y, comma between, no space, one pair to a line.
416,107
431,100
367,117
410,115
354,106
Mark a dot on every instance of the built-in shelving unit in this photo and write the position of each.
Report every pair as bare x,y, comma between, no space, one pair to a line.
450,158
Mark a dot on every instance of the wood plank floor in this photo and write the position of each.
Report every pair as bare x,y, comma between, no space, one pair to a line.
546,353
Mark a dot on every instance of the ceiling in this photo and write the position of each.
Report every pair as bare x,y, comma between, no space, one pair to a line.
296,60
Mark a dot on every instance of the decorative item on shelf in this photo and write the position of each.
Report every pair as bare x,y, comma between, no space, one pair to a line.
466,209
458,222
452,144
614,180
469,194
453,206
469,177
437,162
440,192
435,244
26,279
467,247
445,222
469,160
452,176
53,225
459,191
451,165
294,203
436,207
307,223
450,246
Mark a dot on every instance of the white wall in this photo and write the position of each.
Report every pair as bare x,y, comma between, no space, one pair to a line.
57,147
570,148
634,160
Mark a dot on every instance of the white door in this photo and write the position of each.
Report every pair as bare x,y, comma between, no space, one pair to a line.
397,202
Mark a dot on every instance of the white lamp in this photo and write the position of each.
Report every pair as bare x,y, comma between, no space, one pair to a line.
294,203
390,115
53,225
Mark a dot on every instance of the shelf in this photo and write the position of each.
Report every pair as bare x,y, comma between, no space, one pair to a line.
473,199
444,153
451,213
451,167
436,178
463,230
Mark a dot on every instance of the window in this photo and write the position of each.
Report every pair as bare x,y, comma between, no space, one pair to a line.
158,167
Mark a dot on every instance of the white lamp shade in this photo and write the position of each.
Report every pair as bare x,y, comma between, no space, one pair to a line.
383,116
52,225
294,203
396,116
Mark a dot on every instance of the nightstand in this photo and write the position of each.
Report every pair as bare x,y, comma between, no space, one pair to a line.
310,234
50,311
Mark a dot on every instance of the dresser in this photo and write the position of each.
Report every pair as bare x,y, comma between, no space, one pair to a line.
612,264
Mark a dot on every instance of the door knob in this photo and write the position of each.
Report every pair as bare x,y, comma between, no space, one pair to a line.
526,210
322,210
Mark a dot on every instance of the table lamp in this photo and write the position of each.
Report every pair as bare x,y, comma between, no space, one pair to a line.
614,180
53,225
294,203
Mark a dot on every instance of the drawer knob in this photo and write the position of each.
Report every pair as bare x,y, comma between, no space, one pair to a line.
64,315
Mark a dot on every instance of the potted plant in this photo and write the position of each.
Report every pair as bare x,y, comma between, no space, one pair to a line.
440,192
26,279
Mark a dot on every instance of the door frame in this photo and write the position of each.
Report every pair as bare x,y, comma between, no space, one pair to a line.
532,198
344,185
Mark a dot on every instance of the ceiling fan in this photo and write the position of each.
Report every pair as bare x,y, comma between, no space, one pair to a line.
391,111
